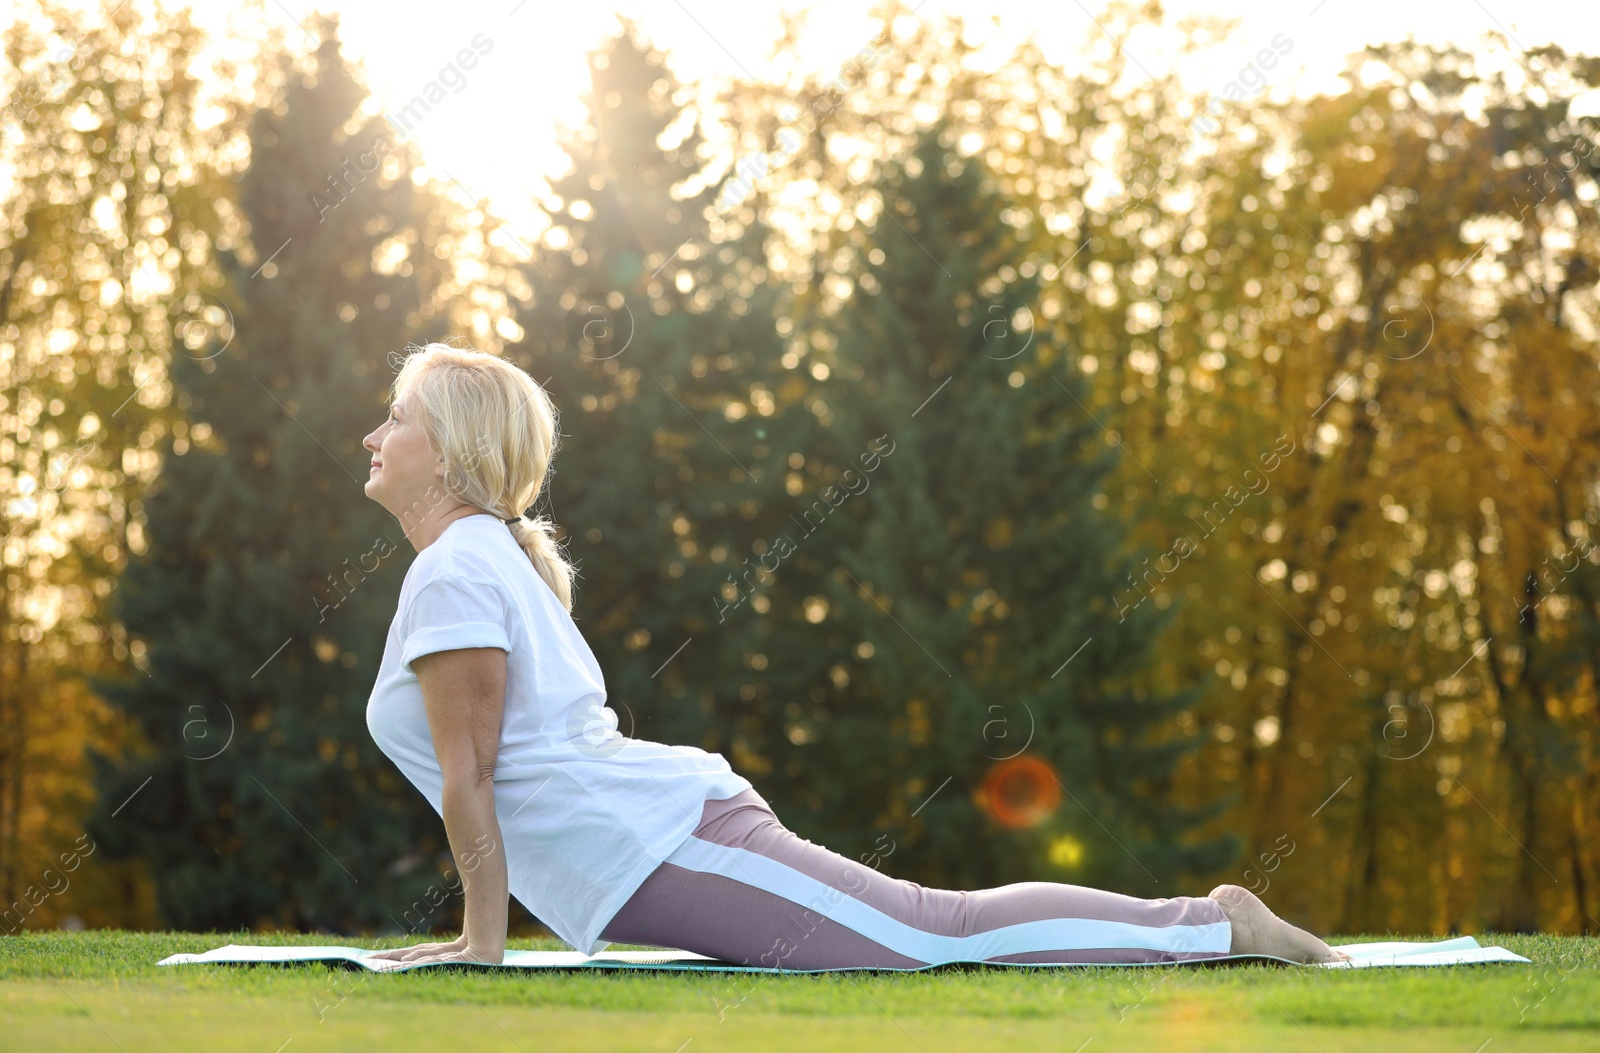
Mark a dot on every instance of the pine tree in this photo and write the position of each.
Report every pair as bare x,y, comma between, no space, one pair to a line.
695,446
268,578
955,592
655,334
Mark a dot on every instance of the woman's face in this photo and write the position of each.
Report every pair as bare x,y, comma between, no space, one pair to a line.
404,467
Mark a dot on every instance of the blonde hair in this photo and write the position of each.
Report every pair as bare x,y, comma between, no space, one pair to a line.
496,428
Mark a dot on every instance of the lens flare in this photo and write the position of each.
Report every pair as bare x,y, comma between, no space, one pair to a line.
1066,852
1021,791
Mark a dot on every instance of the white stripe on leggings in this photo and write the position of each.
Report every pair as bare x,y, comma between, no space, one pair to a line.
1053,934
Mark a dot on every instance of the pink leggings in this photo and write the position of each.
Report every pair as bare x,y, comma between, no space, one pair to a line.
743,888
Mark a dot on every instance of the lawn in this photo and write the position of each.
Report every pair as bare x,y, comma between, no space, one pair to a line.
101,990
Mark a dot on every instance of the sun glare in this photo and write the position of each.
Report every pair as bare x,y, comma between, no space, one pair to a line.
480,90
482,86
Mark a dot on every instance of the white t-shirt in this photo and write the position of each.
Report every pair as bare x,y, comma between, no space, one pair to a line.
585,813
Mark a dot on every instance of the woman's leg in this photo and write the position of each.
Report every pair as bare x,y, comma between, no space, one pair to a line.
745,888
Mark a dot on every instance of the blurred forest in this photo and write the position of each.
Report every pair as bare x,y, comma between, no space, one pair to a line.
1214,485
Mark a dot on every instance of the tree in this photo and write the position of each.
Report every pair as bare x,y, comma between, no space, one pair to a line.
268,579
654,332
952,600
688,492
103,186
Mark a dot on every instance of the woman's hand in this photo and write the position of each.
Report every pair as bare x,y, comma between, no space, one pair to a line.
468,953
410,954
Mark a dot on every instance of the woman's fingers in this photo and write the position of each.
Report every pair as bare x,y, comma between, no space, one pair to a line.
445,956
423,953
429,958
406,954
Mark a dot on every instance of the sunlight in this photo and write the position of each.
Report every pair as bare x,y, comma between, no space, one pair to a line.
481,91
483,87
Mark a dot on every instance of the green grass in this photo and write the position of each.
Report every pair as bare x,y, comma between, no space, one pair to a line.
102,990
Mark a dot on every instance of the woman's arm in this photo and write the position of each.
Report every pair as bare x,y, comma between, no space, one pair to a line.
464,691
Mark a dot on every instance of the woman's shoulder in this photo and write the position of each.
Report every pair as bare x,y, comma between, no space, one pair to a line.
461,554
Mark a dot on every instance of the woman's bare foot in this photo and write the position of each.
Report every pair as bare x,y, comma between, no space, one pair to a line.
1256,930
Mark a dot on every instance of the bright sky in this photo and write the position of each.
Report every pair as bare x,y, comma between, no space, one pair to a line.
496,136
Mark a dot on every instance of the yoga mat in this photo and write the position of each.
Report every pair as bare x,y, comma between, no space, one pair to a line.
1463,950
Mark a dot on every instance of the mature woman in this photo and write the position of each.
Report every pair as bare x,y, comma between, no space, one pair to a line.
491,703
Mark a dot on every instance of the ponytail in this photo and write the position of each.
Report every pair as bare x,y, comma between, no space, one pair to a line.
537,538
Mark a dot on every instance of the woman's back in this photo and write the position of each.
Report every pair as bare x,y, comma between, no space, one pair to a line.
586,814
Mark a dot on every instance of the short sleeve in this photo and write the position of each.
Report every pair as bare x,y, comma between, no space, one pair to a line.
452,612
